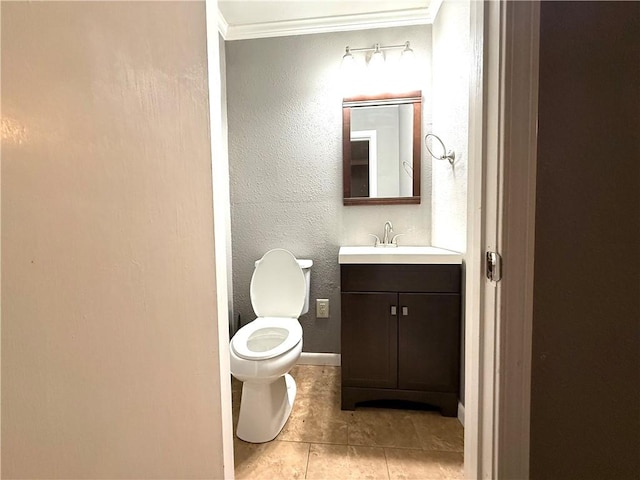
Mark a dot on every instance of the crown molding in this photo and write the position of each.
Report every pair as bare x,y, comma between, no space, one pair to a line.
398,18
434,7
223,26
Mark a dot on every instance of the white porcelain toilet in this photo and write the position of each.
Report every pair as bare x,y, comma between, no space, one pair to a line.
263,351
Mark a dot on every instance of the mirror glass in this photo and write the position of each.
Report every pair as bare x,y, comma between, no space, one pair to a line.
381,149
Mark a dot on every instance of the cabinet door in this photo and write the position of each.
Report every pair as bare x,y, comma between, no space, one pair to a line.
369,340
429,342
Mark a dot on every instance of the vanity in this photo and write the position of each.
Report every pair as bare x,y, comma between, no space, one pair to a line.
401,325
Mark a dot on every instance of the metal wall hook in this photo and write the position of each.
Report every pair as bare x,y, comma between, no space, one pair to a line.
446,155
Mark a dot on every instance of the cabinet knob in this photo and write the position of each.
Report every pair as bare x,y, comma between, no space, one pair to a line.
394,310
405,311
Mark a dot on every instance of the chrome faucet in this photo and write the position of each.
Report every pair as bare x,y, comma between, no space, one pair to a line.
388,228
387,240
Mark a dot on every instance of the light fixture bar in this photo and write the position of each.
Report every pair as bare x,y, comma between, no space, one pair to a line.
376,47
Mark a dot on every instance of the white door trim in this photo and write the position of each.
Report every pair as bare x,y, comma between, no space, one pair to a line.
519,133
221,207
473,450
501,217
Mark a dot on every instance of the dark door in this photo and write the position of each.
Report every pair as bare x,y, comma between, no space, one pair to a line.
429,342
369,340
360,168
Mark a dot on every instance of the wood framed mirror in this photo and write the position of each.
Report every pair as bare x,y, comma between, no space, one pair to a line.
381,149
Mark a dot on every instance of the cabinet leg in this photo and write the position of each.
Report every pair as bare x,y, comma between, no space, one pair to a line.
449,409
348,403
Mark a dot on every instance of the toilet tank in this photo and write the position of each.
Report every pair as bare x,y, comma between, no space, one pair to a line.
305,265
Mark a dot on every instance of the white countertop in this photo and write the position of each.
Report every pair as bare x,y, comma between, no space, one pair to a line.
398,255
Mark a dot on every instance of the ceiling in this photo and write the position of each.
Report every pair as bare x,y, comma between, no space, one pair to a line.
242,19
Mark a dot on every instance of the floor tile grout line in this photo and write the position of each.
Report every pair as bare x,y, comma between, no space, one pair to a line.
306,468
395,447
424,450
435,450
386,462
347,433
389,446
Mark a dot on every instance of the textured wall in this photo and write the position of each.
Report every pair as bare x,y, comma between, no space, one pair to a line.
585,379
285,150
108,296
450,77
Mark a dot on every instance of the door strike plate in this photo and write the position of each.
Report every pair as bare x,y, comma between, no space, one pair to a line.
494,266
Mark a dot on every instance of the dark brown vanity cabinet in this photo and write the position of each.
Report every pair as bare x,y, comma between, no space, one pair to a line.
401,334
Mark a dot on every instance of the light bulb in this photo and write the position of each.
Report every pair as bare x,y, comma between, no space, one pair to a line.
348,62
376,62
408,57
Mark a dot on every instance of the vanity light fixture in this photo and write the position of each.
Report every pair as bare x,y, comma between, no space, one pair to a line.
407,57
347,60
377,57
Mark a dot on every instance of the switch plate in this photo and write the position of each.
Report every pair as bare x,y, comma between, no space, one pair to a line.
322,308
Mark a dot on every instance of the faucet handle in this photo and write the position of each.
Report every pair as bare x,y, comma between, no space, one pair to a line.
394,240
377,241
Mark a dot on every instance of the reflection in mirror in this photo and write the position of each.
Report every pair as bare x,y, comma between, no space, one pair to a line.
381,149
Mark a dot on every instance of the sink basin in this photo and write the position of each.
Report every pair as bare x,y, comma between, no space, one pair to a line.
399,255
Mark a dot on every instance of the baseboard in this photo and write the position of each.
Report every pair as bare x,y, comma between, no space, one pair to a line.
312,358
461,413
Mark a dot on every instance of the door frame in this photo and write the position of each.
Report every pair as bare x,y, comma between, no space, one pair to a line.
500,217
221,210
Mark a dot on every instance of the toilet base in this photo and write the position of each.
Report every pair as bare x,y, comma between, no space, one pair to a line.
265,408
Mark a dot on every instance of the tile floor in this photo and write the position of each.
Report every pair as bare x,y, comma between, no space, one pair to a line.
321,441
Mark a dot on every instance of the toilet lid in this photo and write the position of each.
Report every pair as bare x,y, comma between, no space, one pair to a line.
266,338
278,287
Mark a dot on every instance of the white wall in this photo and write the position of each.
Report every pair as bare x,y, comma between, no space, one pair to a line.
450,77
109,339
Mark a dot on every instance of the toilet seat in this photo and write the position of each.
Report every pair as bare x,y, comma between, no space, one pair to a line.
278,287
266,337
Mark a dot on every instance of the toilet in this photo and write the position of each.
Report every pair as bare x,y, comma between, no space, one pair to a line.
263,351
